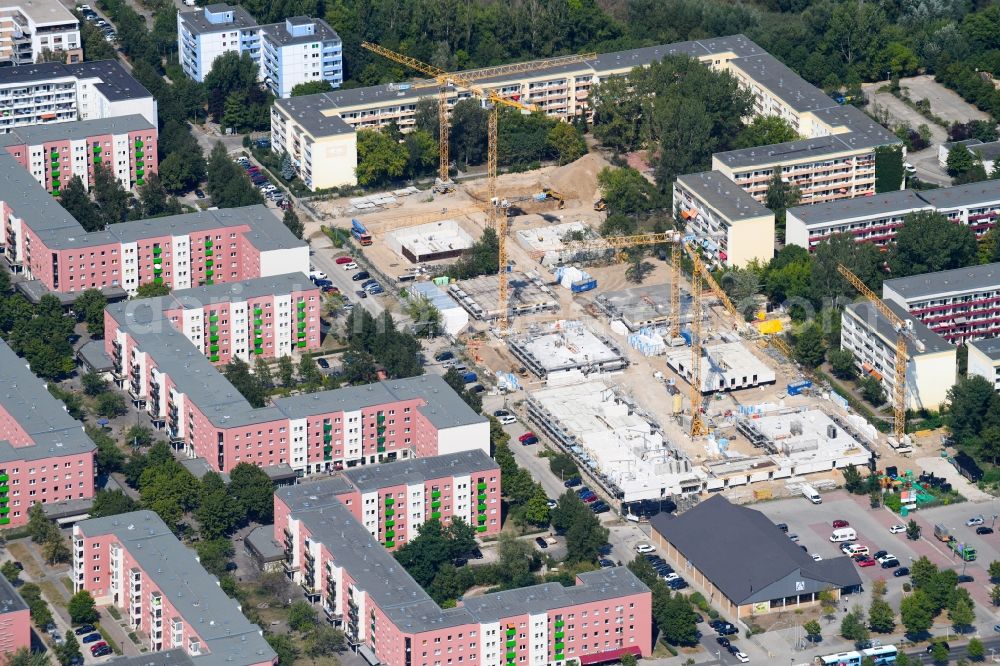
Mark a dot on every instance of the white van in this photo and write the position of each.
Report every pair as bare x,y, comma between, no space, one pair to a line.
857,549
843,534
810,494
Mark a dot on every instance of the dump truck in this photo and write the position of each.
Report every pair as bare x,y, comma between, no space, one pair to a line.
360,233
965,551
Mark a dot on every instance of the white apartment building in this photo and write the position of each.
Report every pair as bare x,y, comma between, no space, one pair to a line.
205,34
27,29
730,225
931,365
300,50
52,92
297,50
984,360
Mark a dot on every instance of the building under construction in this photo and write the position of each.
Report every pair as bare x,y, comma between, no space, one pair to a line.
640,307
546,244
429,242
727,366
481,296
566,349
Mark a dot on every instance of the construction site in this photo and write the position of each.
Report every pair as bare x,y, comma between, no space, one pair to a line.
682,358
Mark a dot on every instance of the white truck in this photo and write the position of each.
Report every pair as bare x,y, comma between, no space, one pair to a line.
810,494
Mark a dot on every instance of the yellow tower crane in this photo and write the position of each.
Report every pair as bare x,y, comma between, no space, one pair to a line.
904,330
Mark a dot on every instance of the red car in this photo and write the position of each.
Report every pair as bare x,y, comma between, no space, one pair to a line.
343,260
865,561
97,646
590,498
526,436
837,524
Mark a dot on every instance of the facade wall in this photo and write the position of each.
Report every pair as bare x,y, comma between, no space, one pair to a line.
959,313
53,479
979,364
733,242
879,229
15,631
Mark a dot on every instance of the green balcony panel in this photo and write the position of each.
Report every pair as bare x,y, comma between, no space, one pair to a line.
327,427
327,438
209,263
214,348
4,521
559,623
157,250
208,242
511,644
559,656
4,488
4,477
481,497
213,329
97,149
481,528
380,449
97,160
389,501
511,655
257,311
559,647
390,512
390,534
140,181
511,631
481,507
436,515
258,322
481,486
258,341
301,334
209,253
214,359
559,635
209,281
213,319
258,351
435,494
55,193
300,304
209,273
481,519
157,280
302,343
138,143
4,511
139,154
390,544
436,505
213,338
54,154
390,523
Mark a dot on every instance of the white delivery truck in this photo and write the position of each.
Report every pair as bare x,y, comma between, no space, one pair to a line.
810,494
843,534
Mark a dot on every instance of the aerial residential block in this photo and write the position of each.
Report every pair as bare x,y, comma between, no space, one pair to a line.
834,160
133,562
297,50
45,455
733,227
51,92
388,618
30,29
53,154
931,362
960,305
877,219
984,360
393,500
300,50
204,415
15,620
265,317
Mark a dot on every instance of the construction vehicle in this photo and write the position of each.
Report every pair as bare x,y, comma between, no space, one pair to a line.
904,331
966,552
941,533
552,194
360,233
600,204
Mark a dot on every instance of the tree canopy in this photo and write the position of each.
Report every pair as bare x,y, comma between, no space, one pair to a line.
929,242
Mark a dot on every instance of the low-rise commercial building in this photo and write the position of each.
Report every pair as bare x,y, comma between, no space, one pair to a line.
54,154
298,50
45,455
984,360
31,30
730,225
15,620
266,317
206,417
835,160
394,499
877,219
133,562
52,92
766,573
388,618
960,305
931,362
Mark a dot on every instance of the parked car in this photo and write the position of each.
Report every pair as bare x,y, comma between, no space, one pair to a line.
890,564
479,388
352,266
783,527
573,482
975,520
817,557
837,524
91,638
447,356
323,363
896,529
98,646
198,193
865,561
793,537
322,283
330,289
982,529
742,658
528,441
677,584
315,274
342,260
724,628
363,275
551,503
901,571
643,547
879,554
361,293
606,564
723,641
102,651
600,507
507,420
542,543
966,578
85,629
527,435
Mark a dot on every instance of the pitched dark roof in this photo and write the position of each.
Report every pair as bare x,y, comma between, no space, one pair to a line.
742,552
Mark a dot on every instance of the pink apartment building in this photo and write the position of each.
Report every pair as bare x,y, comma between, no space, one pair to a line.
388,618
133,562
53,154
44,242
45,455
205,416
15,620
393,500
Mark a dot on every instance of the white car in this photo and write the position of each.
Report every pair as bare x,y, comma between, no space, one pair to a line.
351,266
974,521
817,557
673,575
743,659
509,419
317,275
886,558
897,529
642,548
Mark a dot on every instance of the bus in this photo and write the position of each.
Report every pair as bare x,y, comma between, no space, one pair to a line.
884,654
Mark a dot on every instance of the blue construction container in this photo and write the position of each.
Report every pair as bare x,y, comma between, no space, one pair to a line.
796,388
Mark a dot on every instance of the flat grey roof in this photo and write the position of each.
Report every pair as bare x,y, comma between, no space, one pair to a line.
987,151
116,84
197,23
278,32
407,605
990,347
175,657
227,292
77,129
959,280
933,343
722,194
765,560
261,540
960,196
887,203
782,153
194,593
417,470
29,200
777,77
43,418
93,355
10,600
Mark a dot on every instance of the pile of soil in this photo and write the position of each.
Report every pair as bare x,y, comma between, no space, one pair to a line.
578,180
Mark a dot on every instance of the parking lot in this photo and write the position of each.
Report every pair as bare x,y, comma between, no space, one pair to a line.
945,103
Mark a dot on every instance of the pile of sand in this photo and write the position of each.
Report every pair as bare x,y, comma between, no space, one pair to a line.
578,180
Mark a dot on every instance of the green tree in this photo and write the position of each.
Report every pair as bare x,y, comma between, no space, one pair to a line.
55,549
872,391
962,616
139,436
69,650
960,160
40,528
154,201
217,514
809,346
971,402
562,465
426,318
325,642
112,200
111,405
25,657
679,621
813,630
421,153
309,374
292,223
780,197
940,654
89,307
929,242
109,458
82,608
852,627
916,614
975,649
995,595
468,133
284,647
311,88
111,503
251,488
238,373
994,571
152,290
566,142
94,384
536,510
922,572
627,192
74,198
232,72
381,159
227,183
864,260
765,131
881,618
912,530
842,363
215,553
286,370
10,571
